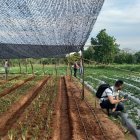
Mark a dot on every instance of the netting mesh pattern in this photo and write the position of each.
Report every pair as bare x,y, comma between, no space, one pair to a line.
41,28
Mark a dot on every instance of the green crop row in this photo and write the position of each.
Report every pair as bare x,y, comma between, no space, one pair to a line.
9,99
38,115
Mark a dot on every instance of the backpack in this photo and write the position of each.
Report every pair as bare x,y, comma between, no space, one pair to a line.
101,90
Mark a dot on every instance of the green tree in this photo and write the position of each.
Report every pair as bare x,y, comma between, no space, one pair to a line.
137,55
131,59
124,57
105,47
73,57
89,53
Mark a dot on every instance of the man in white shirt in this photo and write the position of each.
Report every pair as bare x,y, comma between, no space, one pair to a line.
6,66
110,98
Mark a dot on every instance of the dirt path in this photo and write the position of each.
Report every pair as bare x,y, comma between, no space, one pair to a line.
90,127
71,117
114,129
63,129
74,120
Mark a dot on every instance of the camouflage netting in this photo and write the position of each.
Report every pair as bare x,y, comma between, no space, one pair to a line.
44,28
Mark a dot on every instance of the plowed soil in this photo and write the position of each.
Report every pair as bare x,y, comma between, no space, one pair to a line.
71,118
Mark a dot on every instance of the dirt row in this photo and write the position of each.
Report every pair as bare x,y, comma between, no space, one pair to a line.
15,111
53,110
5,81
14,87
73,118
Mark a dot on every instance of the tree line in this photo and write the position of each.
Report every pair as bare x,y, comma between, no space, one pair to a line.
104,49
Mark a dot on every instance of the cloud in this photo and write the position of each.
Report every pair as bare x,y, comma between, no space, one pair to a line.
122,20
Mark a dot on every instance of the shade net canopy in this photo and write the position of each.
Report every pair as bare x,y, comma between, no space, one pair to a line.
44,28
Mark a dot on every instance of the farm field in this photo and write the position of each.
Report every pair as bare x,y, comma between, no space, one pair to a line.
95,76
38,70
131,67
49,107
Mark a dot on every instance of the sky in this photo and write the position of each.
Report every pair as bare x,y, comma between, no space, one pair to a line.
121,19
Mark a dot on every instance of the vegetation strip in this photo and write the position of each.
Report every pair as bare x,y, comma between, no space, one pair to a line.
14,87
21,104
56,116
34,123
16,77
7,100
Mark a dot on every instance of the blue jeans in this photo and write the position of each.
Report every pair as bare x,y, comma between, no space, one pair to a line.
81,70
107,105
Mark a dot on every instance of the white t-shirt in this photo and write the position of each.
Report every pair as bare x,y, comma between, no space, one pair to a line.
109,92
80,63
6,64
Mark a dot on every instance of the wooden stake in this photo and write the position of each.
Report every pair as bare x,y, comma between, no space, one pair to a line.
43,69
26,66
19,67
32,67
83,85
55,68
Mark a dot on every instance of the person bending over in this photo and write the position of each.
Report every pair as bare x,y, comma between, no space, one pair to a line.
110,98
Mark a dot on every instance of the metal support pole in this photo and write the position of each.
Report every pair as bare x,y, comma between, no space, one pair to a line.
32,67
70,72
26,66
6,74
6,66
70,67
55,68
43,69
19,67
83,79
67,69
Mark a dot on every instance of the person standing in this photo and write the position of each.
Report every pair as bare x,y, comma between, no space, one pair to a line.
6,67
75,69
